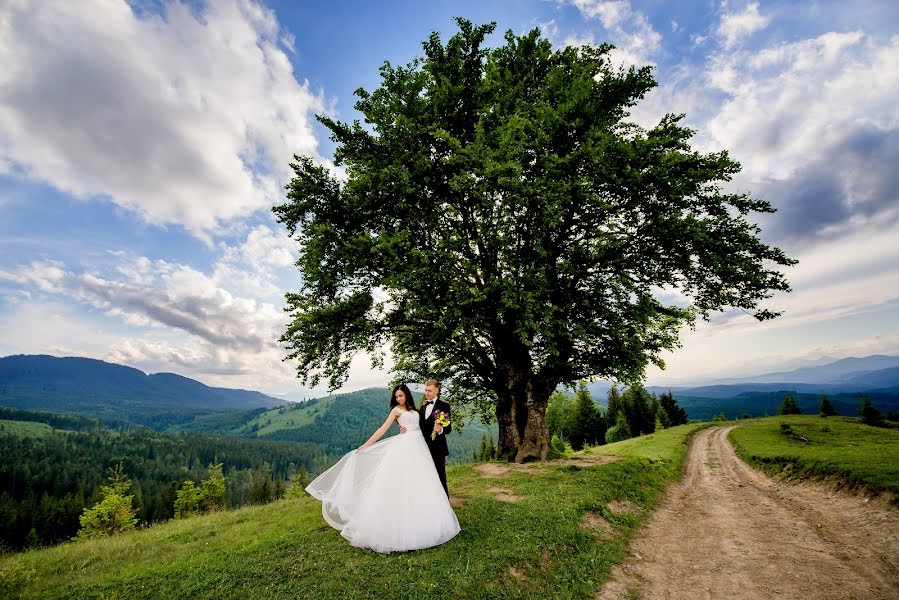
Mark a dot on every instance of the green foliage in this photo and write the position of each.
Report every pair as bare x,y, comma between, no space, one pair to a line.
212,489
487,450
619,431
114,513
515,226
638,408
47,482
839,446
789,406
55,421
559,447
674,414
869,413
560,417
298,482
187,500
614,404
589,426
826,407
719,417
32,540
24,428
285,550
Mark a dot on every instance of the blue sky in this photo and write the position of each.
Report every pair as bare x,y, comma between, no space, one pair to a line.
142,145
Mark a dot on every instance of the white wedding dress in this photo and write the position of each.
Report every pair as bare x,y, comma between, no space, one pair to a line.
388,497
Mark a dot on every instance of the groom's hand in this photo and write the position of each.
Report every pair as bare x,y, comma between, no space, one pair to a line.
402,429
438,428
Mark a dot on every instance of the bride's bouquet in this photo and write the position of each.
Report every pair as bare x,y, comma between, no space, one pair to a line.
440,419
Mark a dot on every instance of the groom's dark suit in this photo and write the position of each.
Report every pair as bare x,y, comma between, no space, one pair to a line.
437,446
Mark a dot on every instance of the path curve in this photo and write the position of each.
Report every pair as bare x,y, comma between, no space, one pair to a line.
729,531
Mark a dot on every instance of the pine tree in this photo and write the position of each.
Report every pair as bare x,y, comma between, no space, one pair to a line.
187,501
212,493
619,431
298,482
637,406
614,404
589,426
789,406
114,513
827,409
32,540
869,413
676,414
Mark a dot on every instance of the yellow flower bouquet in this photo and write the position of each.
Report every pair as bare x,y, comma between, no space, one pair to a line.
440,419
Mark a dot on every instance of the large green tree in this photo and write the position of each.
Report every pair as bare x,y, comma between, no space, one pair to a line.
503,227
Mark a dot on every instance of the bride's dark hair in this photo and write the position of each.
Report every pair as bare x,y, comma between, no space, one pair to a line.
410,403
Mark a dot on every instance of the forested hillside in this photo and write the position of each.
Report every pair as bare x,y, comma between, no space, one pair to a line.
47,480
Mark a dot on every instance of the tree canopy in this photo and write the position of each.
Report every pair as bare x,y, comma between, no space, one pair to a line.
502,226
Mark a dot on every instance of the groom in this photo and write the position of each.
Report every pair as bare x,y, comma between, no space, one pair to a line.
426,417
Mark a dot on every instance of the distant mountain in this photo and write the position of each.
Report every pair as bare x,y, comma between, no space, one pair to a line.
115,393
842,380
884,378
831,372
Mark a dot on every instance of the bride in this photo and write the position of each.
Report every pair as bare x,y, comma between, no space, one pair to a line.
386,495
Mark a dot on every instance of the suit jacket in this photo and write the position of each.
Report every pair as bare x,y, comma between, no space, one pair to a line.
438,445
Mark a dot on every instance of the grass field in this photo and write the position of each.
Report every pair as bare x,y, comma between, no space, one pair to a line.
538,545
287,417
24,428
859,455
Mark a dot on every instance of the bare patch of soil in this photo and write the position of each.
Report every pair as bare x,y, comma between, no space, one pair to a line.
504,494
622,506
457,501
590,460
596,524
498,470
728,531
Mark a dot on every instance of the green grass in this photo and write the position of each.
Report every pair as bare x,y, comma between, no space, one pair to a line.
666,444
285,549
858,455
24,428
288,417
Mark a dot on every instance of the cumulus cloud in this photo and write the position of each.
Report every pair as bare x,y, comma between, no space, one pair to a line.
736,26
188,117
635,39
815,125
227,308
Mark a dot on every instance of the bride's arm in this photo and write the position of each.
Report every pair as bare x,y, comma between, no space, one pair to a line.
381,431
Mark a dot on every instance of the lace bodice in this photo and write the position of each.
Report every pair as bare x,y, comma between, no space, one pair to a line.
408,419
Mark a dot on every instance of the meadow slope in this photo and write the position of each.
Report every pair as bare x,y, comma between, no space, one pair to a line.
531,531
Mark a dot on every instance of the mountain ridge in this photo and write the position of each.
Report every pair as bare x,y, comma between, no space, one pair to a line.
88,386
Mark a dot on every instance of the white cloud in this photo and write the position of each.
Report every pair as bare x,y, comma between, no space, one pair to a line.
220,326
737,26
634,37
190,117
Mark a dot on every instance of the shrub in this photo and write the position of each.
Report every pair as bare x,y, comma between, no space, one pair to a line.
114,513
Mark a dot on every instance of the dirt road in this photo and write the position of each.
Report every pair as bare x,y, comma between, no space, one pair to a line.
727,531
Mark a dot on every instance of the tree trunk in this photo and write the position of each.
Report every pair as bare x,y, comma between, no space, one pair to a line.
521,413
